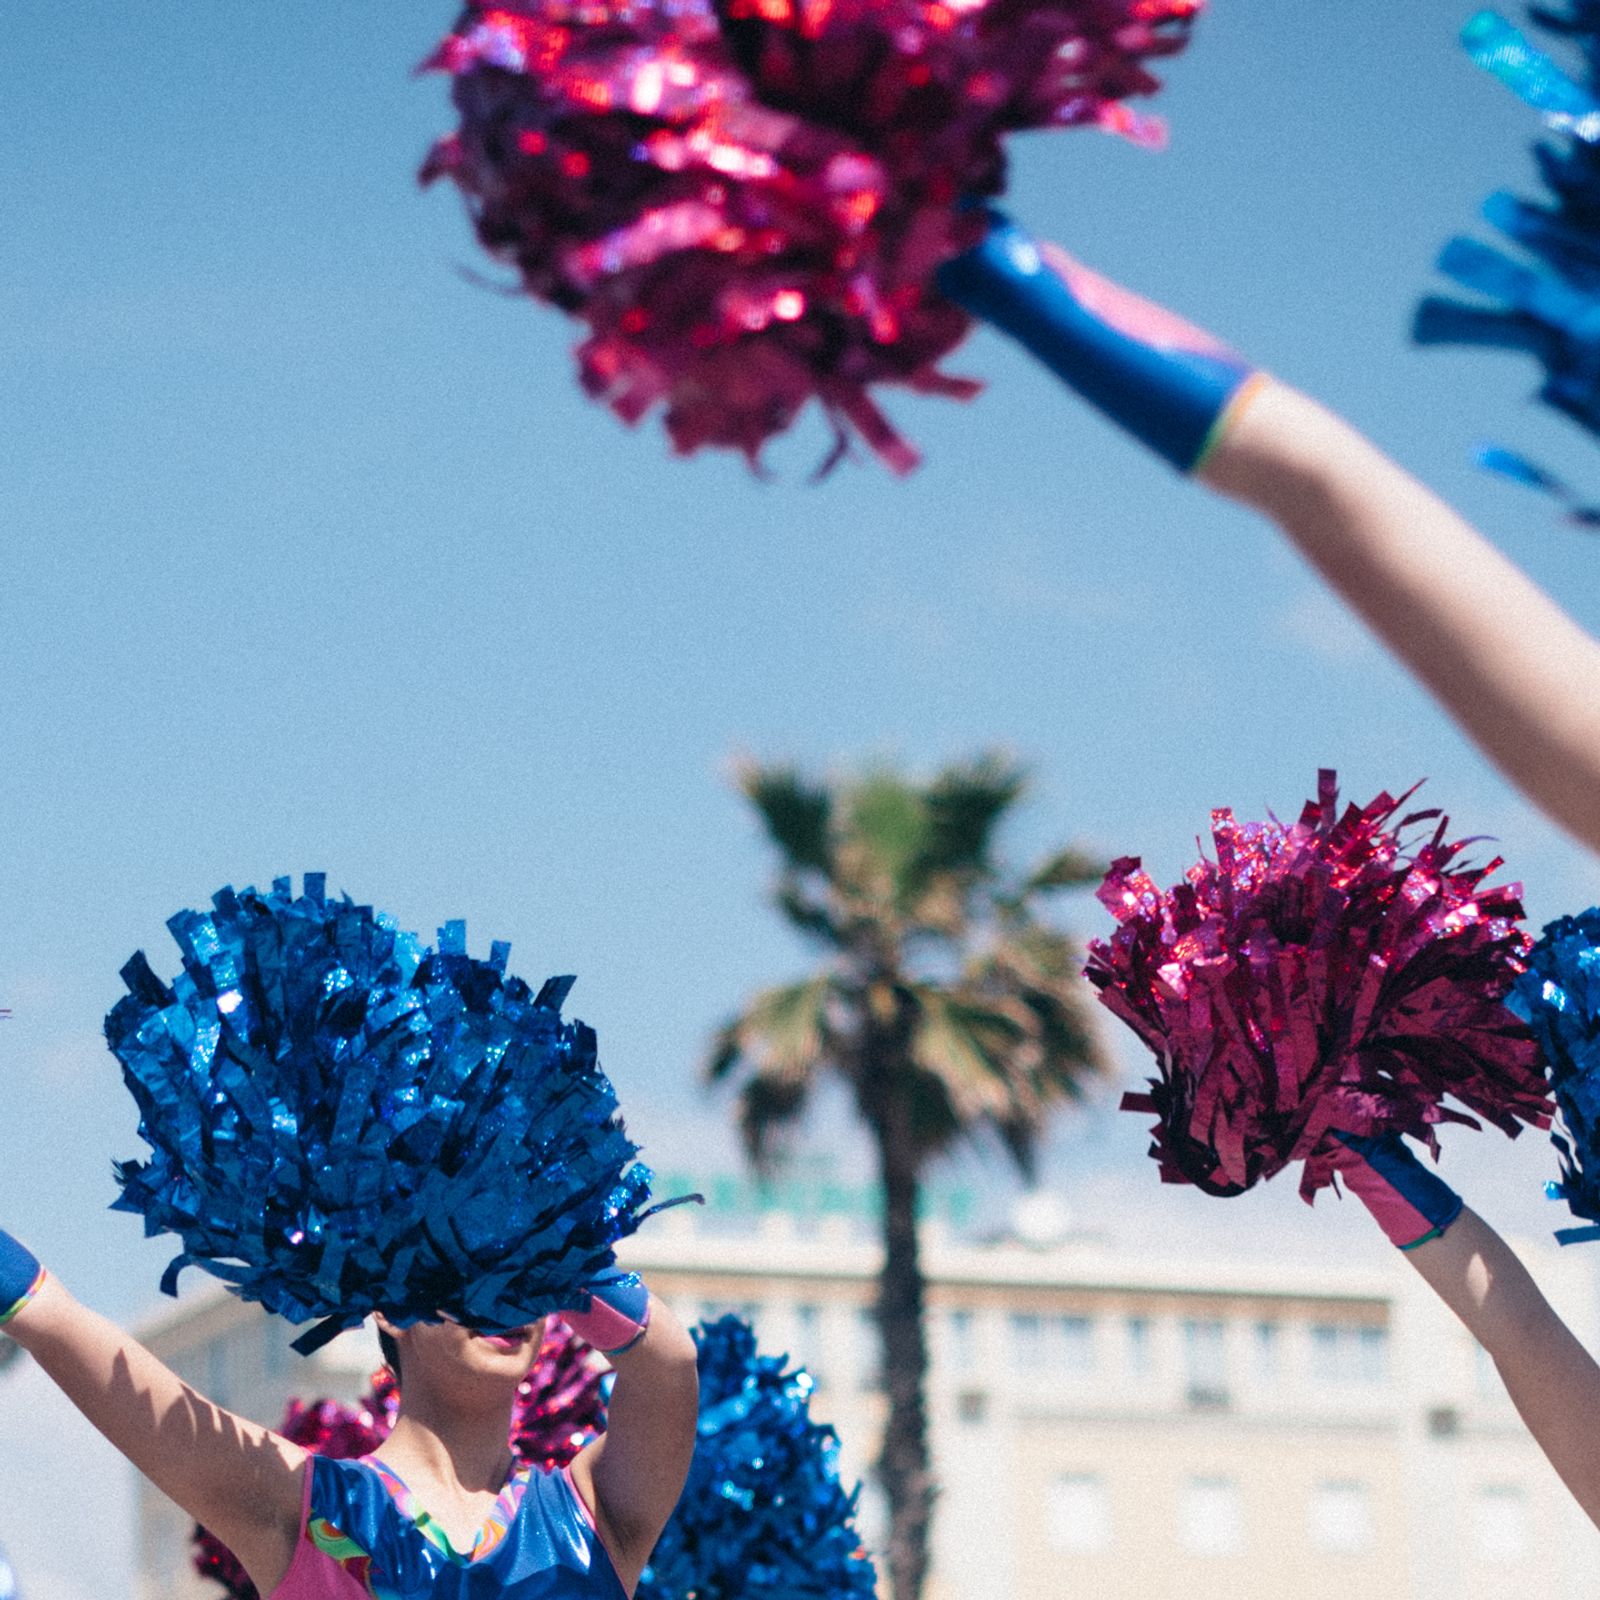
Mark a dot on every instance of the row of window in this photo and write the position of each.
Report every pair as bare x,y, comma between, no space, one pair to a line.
1212,1522
1338,1354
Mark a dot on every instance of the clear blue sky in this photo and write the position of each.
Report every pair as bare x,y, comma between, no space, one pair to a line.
313,556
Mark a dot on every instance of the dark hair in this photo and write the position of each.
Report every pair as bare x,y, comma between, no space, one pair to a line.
391,1352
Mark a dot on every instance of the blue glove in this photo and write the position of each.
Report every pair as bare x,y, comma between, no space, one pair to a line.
1171,386
1410,1204
20,1277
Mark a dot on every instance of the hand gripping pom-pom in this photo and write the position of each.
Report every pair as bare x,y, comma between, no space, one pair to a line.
763,1515
1313,979
344,1121
1545,298
1560,996
746,203
560,1407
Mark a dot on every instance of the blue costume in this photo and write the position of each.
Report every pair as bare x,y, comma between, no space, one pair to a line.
364,1534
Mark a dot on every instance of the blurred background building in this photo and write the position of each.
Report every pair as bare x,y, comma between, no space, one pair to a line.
1103,1422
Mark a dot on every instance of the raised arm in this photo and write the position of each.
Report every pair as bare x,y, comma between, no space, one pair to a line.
1518,674
1552,1380
633,1474
239,1479
1515,671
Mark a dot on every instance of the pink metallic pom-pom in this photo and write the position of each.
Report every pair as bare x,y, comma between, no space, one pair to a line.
1314,978
560,1408
746,200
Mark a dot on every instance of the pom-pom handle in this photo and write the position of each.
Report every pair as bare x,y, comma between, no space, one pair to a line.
1168,384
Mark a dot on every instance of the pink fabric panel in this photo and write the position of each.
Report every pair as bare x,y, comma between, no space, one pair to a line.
312,1575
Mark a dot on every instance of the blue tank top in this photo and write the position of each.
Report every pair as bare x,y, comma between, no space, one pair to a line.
365,1534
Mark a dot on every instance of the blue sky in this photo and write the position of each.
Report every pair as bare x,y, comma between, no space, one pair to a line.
312,556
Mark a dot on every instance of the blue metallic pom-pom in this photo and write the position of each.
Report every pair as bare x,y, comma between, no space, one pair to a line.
763,1515
1559,995
1545,299
345,1121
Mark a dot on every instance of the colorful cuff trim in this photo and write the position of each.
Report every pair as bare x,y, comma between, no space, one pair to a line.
27,1295
1437,1231
1237,404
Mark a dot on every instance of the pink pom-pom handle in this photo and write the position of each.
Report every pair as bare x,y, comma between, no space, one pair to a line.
1316,978
747,201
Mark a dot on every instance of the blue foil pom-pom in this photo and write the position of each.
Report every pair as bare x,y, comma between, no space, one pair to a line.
1559,995
345,1121
1544,298
763,1515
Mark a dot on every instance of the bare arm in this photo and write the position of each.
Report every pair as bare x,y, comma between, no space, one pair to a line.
1518,674
239,1479
1514,670
1552,1380
634,1473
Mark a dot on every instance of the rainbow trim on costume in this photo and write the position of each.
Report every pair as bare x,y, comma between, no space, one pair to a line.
488,1538
26,1296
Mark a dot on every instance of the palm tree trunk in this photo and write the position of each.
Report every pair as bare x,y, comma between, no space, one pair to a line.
903,1467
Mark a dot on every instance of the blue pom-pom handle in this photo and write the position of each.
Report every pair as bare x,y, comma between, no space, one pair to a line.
1167,385
20,1276
344,1121
1559,996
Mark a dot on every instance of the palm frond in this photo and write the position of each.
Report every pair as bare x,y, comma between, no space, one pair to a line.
965,806
810,915
783,1035
798,815
970,1048
769,1108
1066,869
884,839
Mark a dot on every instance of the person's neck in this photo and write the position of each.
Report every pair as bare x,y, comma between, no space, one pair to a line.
466,1451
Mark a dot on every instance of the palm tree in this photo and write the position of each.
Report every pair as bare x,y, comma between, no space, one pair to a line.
941,1000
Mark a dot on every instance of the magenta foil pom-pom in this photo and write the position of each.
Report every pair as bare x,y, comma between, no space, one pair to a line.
1347,973
746,200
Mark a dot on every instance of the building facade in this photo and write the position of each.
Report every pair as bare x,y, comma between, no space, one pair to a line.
1102,1424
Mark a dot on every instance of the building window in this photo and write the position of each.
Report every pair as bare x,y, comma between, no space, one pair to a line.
1341,1518
972,1407
1349,1353
1500,1523
961,1341
1078,1514
1205,1355
1027,1339
868,1355
1210,1521
1372,1354
1075,1345
808,1340
1141,1352
1269,1351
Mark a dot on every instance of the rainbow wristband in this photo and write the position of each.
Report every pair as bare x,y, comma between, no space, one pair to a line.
1173,387
21,1277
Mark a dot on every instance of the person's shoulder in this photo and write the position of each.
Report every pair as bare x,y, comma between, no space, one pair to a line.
340,1487
556,1491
